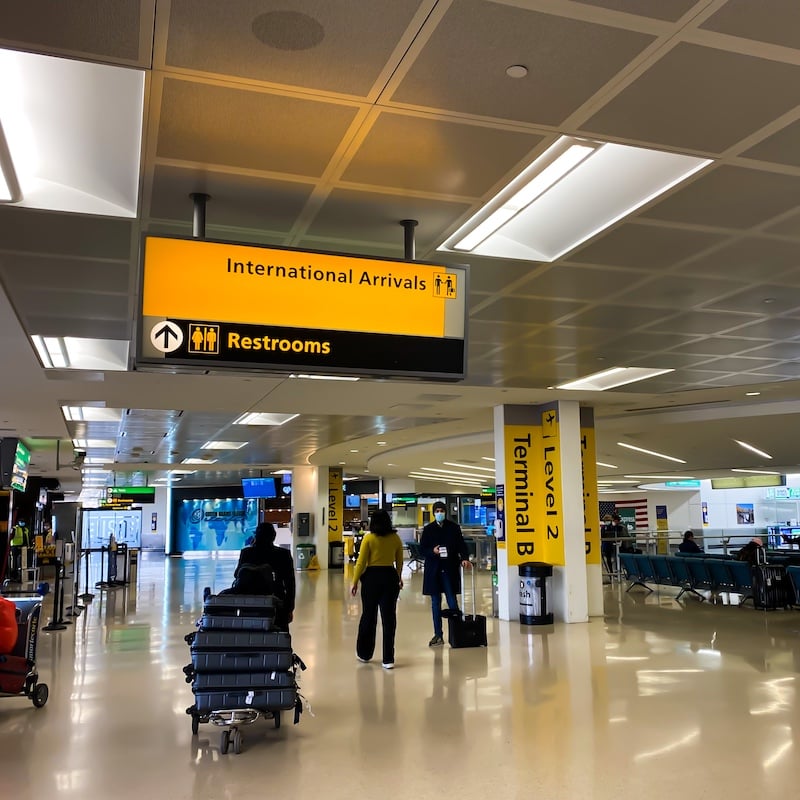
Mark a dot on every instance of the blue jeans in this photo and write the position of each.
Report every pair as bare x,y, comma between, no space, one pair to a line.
436,603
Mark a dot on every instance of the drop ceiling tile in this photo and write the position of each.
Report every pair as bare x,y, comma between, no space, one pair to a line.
572,338
647,341
763,299
780,148
526,311
579,283
716,346
740,364
787,369
19,270
491,275
568,60
749,259
782,350
678,293
375,218
658,9
50,233
671,360
449,158
773,328
702,322
645,247
93,28
500,332
736,379
788,226
715,198
334,47
616,318
685,100
256,138
746,19
236,201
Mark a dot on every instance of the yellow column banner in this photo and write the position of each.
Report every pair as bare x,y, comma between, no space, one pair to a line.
525,536
335,505
662,528
550,477
591,513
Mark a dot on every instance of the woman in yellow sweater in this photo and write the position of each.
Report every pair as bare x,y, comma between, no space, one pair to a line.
379,567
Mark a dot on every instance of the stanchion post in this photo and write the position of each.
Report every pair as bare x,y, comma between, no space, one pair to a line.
56,623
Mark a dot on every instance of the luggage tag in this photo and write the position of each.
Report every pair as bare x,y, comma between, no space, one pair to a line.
249,698
442,551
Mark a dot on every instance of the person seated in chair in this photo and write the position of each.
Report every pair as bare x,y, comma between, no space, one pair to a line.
689,545
752,552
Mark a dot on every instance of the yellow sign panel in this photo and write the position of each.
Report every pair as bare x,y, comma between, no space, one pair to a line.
204,280
591,522
550,478
525,537
335,505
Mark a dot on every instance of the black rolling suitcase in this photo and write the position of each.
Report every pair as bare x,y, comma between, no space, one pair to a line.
771,587
468,630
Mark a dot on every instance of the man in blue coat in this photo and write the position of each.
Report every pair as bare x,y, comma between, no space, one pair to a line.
445,551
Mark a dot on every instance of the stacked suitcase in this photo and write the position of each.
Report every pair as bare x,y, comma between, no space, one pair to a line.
242,666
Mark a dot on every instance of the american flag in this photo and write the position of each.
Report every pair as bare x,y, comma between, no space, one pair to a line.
639,506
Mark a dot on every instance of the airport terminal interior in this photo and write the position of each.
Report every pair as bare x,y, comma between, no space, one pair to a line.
307,249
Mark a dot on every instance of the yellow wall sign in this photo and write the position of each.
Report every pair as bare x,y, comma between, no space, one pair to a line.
550,491
591,522
335,505
525,537
206,301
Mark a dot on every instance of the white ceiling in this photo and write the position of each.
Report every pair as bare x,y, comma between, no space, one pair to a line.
322,127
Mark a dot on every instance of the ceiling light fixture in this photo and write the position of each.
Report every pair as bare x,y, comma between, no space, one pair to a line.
91,414
460,474
444,479
651,452
199,461
71,352
756,471
611,378
263,418
214,445
467,466
601,464
752,394
575,189
753,449
101,444
487,458
665,477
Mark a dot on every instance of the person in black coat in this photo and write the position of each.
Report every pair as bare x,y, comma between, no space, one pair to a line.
689,545
264,552
445,551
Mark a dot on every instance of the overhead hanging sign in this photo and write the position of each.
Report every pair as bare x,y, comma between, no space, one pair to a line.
211,304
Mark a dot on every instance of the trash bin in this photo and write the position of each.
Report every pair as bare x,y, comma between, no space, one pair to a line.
534,583
305,552
335,555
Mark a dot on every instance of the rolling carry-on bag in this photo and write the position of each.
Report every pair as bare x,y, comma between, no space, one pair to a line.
467,630
771,587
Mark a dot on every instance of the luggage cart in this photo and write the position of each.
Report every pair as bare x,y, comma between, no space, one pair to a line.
18,673
243,668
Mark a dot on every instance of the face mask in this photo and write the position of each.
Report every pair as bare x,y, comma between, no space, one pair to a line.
439,516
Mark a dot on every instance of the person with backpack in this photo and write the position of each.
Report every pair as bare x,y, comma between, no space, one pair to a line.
264,568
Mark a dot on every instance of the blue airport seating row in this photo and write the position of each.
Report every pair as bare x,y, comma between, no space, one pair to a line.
694,574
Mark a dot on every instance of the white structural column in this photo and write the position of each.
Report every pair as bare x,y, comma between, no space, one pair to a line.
542,463
310,496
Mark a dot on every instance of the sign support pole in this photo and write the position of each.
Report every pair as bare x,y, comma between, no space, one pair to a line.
409,247
199,201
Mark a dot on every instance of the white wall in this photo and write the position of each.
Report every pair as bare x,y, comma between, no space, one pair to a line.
156,539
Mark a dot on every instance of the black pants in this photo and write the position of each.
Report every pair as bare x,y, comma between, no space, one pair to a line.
380,588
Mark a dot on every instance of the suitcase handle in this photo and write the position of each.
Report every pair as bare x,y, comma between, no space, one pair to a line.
464,589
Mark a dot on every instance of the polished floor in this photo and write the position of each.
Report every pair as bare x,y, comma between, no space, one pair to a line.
657,700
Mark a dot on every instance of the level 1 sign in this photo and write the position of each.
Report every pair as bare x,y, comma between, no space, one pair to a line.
214,304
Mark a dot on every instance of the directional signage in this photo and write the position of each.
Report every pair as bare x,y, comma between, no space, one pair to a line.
213,304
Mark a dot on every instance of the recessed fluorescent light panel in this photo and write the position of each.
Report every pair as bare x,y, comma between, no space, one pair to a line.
259,418
73,131
467,466
91,414
752,449
665,477
601,464
10,191
574,190
223,445
70,352
611,378
651,452
199,461
107,444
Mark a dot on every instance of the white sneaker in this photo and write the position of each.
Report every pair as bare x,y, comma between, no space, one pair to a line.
389,665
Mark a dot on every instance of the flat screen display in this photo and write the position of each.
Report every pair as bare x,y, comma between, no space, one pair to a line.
14,460
254,488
